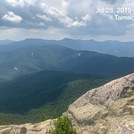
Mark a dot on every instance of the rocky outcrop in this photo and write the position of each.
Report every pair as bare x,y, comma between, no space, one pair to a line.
108,109
39,128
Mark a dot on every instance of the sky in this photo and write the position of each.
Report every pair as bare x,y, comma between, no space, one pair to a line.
58,19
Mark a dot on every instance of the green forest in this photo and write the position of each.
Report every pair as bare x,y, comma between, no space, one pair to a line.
40,96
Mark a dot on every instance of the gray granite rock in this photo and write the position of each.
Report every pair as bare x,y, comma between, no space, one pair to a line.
108,109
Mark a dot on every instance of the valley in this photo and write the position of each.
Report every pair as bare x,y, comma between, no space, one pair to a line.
43,95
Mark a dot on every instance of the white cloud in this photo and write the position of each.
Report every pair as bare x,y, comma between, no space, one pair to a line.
54,12
64,6
77,23
72,17
64,3
15,2
41,24
43,6
10,16
83,22
60,16
44,17
21,3
66,21
31,2
87,18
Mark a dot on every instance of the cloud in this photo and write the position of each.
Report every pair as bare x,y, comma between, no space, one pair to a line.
87,18
72,17
82,22
10,16
77,24
54,12
113,1
64,6
15,3
44,17
21,3
38,13
60,16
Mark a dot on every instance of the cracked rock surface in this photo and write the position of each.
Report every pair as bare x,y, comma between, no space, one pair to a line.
108,109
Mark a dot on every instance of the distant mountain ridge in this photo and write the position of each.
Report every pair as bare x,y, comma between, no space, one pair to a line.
32,59
117,48
5,42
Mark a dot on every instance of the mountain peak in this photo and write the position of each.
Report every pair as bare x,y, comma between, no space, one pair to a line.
67,39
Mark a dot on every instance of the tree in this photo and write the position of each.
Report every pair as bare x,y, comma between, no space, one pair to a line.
63,125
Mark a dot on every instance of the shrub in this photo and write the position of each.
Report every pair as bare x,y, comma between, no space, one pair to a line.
63,125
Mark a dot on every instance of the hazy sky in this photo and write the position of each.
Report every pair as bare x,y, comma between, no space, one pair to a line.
57,19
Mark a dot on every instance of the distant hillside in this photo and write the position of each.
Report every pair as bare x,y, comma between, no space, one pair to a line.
5,42
117,48
32,59
53,57
42,95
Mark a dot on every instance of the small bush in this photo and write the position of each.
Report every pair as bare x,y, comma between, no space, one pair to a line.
63,125
23,130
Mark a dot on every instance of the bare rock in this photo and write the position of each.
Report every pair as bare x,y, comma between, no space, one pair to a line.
108,109
39,128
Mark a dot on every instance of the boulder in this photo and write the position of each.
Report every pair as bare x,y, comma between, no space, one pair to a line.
108,109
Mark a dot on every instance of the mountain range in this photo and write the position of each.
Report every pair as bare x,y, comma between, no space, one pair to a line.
31,59
117,48
5,42
36,75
